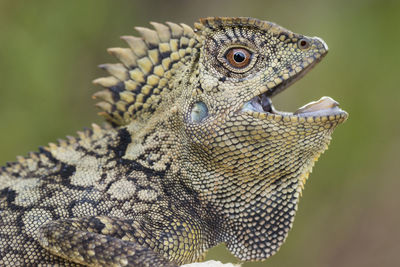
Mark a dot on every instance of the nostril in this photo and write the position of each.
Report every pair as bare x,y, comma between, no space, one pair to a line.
303,43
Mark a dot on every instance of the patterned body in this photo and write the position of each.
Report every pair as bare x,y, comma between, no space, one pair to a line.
195,154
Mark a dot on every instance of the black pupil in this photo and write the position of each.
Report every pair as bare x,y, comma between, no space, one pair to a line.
239,56
303,43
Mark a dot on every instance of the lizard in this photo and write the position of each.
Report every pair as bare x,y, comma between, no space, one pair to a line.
194,153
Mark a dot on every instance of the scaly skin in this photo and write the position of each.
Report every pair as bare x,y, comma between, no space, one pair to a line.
195,154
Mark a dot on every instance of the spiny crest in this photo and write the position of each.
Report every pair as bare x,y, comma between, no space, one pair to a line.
210,24
138,84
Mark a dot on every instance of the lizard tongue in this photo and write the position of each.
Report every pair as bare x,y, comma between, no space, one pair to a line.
324,107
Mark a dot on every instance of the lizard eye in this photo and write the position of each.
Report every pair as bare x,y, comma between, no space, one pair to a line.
238,57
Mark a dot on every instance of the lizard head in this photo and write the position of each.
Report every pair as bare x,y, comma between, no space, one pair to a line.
250,159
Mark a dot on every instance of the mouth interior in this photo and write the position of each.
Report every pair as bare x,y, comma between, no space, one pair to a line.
325,106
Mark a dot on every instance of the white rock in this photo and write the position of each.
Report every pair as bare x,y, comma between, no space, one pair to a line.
211,264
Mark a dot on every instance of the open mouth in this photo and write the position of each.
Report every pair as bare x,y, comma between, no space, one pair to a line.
324,107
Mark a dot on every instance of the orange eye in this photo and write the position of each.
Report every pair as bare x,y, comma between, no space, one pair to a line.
238,57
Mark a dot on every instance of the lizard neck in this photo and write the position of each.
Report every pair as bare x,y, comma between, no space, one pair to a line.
257,211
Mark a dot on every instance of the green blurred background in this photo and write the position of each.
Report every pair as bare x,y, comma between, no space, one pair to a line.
349,214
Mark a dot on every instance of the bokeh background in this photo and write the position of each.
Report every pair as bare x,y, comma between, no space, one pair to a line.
349,214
